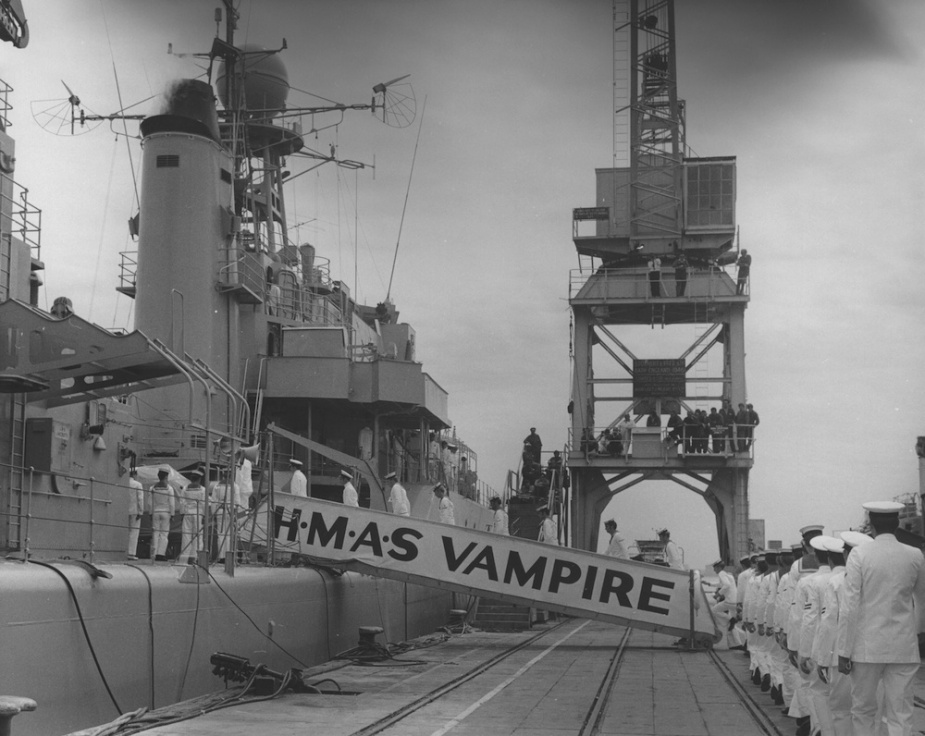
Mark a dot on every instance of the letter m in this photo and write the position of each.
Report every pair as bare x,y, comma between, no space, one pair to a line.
337,531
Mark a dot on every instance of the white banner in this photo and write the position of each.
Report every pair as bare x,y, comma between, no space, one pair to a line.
504,568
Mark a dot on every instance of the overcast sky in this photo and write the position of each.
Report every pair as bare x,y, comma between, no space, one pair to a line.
820,102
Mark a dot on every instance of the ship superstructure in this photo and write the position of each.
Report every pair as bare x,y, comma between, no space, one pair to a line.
237,328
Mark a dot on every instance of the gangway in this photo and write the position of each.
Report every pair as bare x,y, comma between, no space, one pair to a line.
511,569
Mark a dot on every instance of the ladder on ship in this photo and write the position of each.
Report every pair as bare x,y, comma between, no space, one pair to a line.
15,532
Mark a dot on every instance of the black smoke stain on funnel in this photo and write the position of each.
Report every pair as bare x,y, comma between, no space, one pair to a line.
189,107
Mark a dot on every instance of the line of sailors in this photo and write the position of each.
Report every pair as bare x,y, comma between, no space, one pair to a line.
830,626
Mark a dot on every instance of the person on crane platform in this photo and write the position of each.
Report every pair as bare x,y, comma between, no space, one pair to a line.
744,264
616,547
398,496
680,275
350,497
655,276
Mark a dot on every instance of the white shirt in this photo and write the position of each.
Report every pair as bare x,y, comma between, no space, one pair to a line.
548,532
227,497
727,587
242,477
499,522
884,584
298,485
398,498
350,495
447,514
811,600
823,652
163,498
617,546
136,497
673,556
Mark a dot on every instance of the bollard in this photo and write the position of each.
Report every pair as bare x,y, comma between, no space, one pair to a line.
11,705
368,636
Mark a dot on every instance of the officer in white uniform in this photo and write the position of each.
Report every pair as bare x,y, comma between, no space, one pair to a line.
350,498
398,497
616,547
192,506
298,483
884,585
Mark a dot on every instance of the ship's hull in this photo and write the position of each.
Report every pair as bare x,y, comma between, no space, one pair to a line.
152,634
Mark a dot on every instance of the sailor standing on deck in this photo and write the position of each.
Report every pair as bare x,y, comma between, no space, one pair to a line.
801,707
499,517
138,502
445,509
298,483
672,553
771,681
884,587
398,497
616,547
825,651
783,674
739,634
163,504
548,531
725,595
757,660
350,497
810,593
192,505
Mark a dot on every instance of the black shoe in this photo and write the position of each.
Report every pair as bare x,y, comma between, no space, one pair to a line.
160,558
765,683
803,726
778,696
756,676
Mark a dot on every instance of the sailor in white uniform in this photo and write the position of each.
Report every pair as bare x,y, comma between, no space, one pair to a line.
398,497
445,508
298,483
616,547
724,595
350,498
810,593
884,585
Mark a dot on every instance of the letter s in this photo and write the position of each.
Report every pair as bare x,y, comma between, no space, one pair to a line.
409,548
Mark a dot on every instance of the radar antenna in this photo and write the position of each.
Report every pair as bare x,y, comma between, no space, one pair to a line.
58,116
395,102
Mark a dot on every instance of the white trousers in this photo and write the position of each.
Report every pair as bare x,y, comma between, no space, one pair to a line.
134,526
840,702
819,693
160,522
897,680
192,536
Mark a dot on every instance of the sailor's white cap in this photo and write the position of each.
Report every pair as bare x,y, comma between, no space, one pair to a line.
346,474
194,473
833,544
390,476
821,542
811,528
719,563
796,547
855,539
663,530
883,507
297,463
773,551
164,469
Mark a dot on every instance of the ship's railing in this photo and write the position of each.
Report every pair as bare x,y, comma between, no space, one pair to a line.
5,106
735,440
25,219
240,268
128,270
623,283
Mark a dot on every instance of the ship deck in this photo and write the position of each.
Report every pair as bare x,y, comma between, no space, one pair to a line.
563,678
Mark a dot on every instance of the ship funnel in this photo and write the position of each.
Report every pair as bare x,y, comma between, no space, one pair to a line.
189,107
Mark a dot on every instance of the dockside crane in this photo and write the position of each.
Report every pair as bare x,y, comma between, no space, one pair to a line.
652,253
